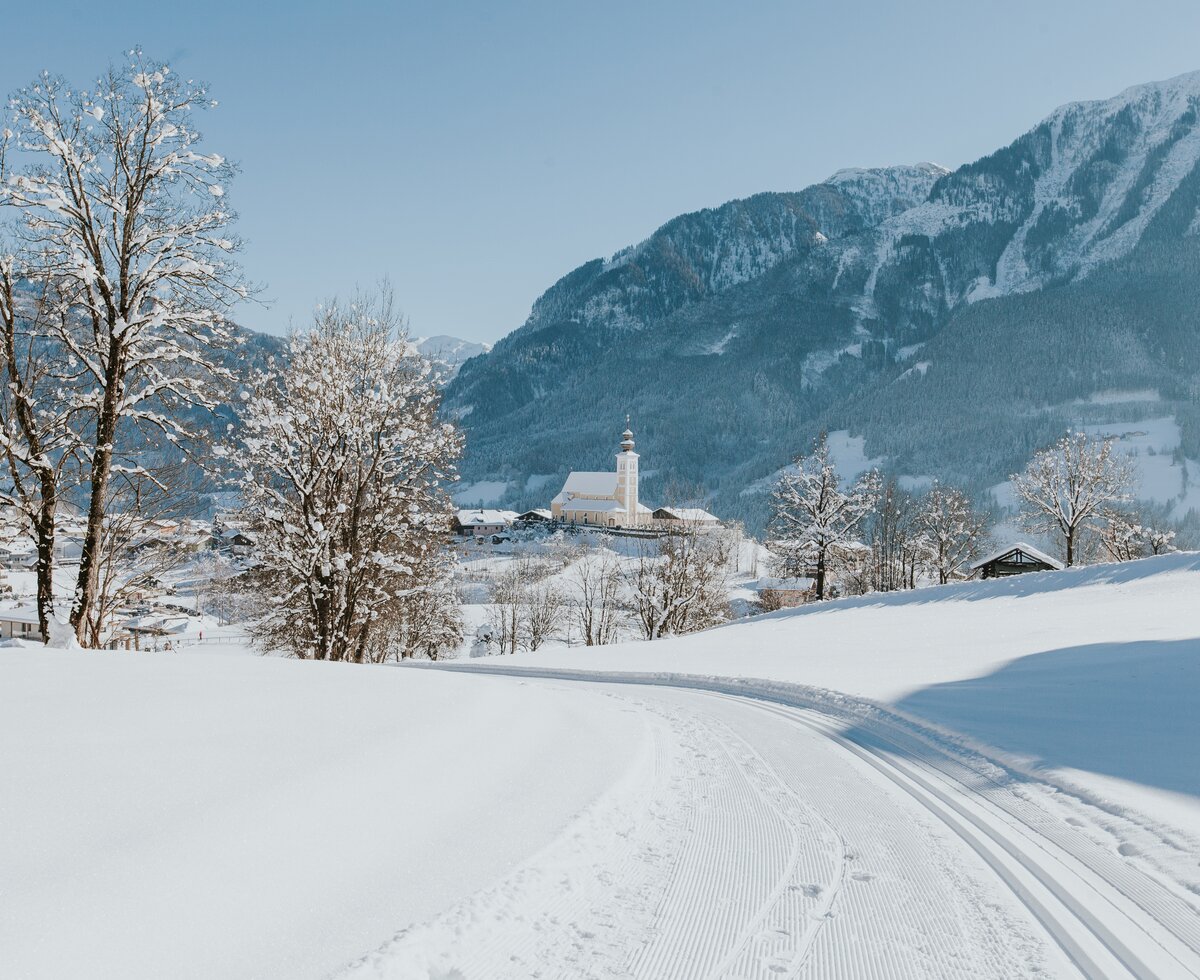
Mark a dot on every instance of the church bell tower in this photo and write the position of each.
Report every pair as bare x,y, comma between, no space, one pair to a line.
627,476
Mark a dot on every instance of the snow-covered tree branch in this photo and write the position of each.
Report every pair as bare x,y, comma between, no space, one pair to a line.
955,532
342,465
1065,488
814,515
119,209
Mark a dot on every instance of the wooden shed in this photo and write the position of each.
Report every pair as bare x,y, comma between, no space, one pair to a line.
1015,559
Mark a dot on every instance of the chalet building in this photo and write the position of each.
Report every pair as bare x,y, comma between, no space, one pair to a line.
604,499
482,523
533,518
1015,559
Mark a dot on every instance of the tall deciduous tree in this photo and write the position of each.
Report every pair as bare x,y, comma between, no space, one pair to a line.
1065,488
40,415
123,214
343,464
954,531
814,515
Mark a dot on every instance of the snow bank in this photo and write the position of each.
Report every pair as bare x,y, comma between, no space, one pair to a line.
205,816
1091,672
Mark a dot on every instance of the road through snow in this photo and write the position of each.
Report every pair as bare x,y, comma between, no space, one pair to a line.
764,838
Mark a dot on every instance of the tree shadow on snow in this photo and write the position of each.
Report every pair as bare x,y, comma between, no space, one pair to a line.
1129,710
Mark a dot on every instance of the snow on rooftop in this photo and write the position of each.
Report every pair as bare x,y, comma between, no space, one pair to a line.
696,515
583,484
1021,546
479,518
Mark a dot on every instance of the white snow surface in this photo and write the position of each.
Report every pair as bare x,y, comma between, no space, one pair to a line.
1094,671
176,815
989,779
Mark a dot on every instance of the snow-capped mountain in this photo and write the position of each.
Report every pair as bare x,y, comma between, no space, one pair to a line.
1060,266
448,354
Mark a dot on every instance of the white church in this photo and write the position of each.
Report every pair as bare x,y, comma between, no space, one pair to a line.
604,499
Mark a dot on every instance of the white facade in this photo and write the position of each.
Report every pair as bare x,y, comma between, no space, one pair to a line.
604,499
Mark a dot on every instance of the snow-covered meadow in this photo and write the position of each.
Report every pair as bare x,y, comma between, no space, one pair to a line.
193,814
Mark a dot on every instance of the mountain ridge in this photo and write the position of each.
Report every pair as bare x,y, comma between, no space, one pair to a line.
809,300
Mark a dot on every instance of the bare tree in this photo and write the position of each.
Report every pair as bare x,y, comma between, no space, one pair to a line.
545,613
220,594
680,586
955,531
897,545
1064,489
597,606
814,515
120,210
343,463
506,615
1127,535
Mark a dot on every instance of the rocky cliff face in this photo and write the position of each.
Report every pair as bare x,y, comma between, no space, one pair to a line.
733,333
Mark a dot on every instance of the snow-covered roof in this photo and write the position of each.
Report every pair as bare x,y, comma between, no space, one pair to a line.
590,484
538,512
481,518
694,514
20,614
1021,546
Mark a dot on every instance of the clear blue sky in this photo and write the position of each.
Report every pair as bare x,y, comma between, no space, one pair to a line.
475,152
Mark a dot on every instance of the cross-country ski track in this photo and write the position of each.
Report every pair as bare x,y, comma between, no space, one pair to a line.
774,831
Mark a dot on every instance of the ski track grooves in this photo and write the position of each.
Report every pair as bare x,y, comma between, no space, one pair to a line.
1056,908
1110,918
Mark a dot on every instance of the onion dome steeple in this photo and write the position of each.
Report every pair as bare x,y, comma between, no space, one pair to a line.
627,438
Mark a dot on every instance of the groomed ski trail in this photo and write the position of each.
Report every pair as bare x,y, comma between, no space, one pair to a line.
764,837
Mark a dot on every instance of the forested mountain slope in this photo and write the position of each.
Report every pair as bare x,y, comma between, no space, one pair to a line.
955,319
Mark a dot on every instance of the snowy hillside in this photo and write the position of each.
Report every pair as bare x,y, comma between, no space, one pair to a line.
989,779
1093,671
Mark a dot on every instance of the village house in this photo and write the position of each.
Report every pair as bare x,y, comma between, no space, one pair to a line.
604,499
20,624
692,518
481,523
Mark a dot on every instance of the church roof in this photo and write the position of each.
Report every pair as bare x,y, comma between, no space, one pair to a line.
591,484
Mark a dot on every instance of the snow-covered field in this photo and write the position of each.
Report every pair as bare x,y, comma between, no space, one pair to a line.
198,815
992,779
